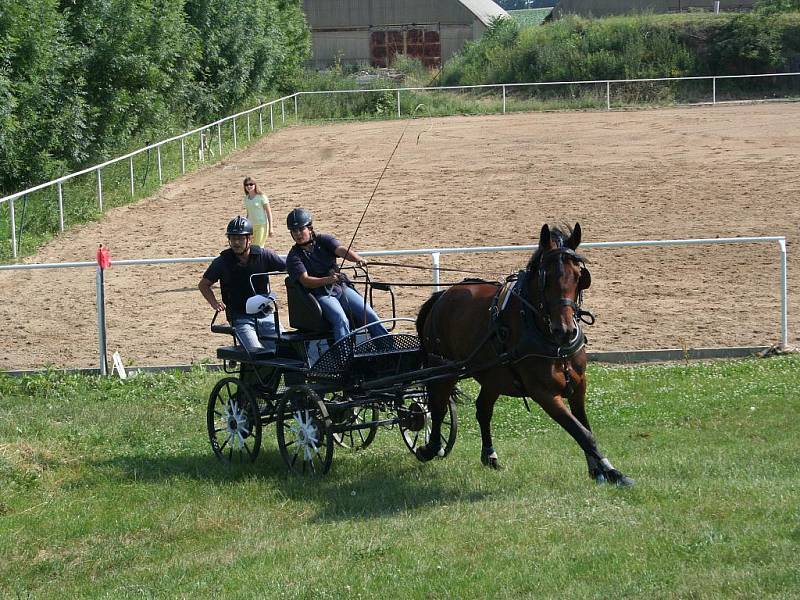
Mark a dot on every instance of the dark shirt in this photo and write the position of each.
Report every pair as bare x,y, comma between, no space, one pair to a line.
318,259
234,278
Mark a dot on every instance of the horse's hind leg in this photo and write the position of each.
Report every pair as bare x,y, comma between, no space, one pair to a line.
484,409
438,396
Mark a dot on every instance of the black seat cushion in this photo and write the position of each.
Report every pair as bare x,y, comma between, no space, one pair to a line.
305,313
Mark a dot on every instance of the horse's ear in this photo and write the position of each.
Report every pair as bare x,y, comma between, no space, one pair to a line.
575,239
544,237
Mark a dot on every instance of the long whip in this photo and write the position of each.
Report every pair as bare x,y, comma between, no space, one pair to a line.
380,178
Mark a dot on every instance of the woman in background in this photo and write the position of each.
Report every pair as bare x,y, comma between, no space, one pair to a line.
258,212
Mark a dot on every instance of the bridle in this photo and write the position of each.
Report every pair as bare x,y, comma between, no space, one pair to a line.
541,308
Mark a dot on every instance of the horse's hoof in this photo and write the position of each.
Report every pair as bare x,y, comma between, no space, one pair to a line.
625,481
424,453
489,459
600,479
493,463
619,479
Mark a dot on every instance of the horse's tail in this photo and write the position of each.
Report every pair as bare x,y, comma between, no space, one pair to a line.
422,316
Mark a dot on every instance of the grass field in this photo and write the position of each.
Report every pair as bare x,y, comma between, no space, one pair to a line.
110,490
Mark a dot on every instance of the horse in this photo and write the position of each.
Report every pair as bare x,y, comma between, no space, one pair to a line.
522,339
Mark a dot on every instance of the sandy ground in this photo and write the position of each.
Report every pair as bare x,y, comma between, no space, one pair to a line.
700,172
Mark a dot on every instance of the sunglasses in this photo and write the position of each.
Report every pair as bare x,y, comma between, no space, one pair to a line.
249,185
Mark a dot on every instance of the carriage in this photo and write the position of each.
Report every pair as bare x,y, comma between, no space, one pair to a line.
319,393
522,338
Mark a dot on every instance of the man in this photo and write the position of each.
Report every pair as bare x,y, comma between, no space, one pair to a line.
312,263
233,268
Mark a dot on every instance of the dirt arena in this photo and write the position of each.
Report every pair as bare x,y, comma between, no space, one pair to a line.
700,172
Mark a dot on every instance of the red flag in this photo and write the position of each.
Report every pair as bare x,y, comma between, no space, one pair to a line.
103,257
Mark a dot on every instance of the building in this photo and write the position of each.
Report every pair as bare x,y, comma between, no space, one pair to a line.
375,31
606,8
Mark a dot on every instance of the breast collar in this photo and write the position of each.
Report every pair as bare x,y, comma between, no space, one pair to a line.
533,341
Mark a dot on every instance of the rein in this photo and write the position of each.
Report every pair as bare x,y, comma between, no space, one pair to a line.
379,263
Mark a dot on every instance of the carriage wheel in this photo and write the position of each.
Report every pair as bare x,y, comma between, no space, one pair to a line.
415,426
356,439
304,439
234,426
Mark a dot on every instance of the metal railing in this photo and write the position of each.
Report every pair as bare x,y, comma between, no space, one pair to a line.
204,142
435,254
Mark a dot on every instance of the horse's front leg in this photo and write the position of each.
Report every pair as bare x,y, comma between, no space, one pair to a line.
438,396
484,409
577,406
600,468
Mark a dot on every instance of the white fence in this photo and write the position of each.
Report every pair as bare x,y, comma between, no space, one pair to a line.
435,254
260,111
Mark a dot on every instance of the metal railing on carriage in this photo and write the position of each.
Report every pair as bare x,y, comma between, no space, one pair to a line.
205,144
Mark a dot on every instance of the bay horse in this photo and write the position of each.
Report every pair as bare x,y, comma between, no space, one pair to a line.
522,340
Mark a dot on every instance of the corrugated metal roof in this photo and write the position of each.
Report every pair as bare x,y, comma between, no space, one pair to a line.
484,10
531,16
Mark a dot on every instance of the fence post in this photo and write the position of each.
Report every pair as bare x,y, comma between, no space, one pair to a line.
183,158
435,256
398,104
60,207
201,152
101,320
260,121
296,113
219,138
234,134
248,127
504,99
784,292
158,158
133,188
13,229
608,95
100,190
283,112
714,90
271,121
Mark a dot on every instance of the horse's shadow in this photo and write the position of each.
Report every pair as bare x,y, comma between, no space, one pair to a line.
368,489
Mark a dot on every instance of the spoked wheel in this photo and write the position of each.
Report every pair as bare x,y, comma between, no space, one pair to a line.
356,439
304,438
415,424
234,427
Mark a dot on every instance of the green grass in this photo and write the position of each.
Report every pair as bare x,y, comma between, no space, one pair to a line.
110,490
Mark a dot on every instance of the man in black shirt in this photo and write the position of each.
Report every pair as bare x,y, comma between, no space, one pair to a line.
233,268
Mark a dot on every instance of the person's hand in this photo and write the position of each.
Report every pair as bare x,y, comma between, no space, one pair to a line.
218,306
361,262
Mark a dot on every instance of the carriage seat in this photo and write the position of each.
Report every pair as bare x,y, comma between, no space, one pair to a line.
305,313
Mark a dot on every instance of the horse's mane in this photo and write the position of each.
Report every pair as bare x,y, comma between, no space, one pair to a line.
561,234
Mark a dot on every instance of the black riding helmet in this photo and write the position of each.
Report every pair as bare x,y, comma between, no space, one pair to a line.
239,226
298,218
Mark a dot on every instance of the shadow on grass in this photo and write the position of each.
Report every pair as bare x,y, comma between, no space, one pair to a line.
363,485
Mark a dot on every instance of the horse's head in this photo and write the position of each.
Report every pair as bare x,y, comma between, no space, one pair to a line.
556,278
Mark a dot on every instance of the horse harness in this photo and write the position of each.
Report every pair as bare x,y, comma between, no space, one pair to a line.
535,342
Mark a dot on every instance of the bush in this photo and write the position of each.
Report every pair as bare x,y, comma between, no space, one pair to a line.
642,46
